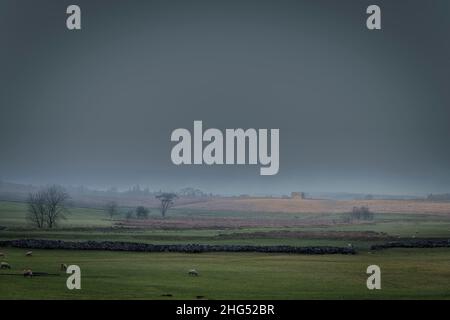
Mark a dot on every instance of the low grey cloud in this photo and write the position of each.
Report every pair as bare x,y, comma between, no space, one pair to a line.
358,110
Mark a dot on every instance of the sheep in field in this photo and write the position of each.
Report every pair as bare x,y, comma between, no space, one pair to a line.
193,272
5,265
2,254
27,273
29,253
63,267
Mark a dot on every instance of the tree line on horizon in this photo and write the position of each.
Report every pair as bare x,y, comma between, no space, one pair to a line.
48,206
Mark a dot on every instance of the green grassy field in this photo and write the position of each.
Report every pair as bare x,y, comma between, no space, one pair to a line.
93,224
406,273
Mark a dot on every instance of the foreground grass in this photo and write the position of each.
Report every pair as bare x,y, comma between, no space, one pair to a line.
406,274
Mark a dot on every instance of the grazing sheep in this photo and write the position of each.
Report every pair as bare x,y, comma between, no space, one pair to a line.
2,254
63,267
193,272
29,253
28,273
349,245
5,265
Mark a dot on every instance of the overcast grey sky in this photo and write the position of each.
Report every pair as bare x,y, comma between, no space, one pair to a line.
358,110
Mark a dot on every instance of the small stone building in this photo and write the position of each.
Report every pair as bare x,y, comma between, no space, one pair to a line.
297,195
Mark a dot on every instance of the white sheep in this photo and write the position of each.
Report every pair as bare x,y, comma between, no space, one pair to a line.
193,272
29,253
27,273
5,265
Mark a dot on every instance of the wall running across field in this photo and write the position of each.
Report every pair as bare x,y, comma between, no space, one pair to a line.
187,248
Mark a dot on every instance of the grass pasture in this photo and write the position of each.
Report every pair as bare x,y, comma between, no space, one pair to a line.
406,273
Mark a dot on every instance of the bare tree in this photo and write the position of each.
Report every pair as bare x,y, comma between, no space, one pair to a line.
111,209
47,206
55,198
167,201
142,212
36,209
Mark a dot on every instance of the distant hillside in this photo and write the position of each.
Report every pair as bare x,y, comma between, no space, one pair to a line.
360,196
439,197
15,191
85,197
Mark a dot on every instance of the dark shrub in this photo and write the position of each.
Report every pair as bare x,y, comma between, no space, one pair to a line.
142,212
361,214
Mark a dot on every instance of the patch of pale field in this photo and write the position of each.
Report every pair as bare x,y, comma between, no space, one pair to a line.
321,206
